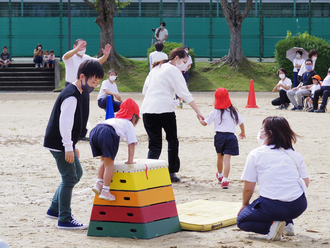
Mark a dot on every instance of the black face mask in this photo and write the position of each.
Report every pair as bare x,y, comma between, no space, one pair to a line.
85,87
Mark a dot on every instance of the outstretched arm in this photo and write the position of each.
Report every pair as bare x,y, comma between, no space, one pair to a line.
81,46
106,52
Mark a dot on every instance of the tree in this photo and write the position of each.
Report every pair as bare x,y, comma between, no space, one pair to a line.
234,20
107,9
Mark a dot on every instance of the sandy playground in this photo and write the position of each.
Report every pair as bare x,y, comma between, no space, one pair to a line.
29,177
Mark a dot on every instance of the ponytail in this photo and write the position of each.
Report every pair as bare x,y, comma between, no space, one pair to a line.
233,114
180,52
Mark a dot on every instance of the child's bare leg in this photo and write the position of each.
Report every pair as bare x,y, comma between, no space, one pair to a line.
220,162
226,163
100,172
108,171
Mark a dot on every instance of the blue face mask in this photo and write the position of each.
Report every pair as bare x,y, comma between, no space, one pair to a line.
308,67
85,87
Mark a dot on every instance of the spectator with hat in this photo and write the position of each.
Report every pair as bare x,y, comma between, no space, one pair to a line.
323,92
315,86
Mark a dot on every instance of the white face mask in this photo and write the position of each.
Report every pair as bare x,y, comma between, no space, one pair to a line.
260,140
281,76
181,66
112,78
297,56
314,58
82,52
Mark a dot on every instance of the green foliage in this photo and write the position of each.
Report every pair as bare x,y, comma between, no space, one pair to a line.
205,77
169,46
308,42
118,5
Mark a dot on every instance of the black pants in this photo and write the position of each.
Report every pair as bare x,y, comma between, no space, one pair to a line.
154,123
283,99
85,112
324,92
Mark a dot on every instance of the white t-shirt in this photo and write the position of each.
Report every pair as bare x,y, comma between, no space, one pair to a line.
124,129
286,82
156,56
227,125
106,84
71,66
299,62
275,172
326,81
189,62
162,34
160,87
314,88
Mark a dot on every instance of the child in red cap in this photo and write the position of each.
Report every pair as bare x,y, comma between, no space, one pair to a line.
225,117
104,141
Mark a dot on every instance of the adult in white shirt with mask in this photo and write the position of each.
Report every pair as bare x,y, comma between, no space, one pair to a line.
283,86
72,60
282,178
163,82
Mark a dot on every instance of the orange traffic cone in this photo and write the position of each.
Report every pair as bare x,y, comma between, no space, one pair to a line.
251,103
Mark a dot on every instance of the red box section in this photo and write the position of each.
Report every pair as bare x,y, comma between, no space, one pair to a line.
134,214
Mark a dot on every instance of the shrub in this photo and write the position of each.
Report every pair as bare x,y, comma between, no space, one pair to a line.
308,42
169,46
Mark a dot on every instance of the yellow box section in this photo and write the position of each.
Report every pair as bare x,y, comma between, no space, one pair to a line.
138,198
140,180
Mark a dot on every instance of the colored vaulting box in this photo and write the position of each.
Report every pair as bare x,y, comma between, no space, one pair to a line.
144,174
134,230
134,214
138,198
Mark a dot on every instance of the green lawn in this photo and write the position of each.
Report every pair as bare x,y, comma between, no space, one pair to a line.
205,77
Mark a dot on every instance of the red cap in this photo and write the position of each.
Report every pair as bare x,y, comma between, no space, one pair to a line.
222,100
127,109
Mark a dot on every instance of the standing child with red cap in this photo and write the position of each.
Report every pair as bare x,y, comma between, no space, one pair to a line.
104,141
225,118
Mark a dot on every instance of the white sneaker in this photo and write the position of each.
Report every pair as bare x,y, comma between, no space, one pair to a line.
97,188
276,230
289,230
106,195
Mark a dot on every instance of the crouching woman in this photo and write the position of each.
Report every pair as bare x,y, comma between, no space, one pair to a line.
282,178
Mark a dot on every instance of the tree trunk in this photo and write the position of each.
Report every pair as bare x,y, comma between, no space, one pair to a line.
234,20
106,10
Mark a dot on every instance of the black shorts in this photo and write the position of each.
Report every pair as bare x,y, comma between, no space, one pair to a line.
226,143
104,141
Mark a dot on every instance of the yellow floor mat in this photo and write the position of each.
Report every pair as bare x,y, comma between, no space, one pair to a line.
204,215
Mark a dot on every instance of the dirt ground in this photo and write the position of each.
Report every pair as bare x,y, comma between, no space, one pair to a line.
29,177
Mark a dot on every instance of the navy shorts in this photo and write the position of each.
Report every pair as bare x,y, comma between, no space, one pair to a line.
104,141
226,143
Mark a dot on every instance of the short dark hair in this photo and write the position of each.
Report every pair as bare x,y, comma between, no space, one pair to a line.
90,68
283,70
163,23
300,52
51,51
112,71
186,47
309,61
77,41
159,46
279,132
4,47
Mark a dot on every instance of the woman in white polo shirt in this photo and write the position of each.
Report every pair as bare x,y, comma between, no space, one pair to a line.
282,86
163,82
282,178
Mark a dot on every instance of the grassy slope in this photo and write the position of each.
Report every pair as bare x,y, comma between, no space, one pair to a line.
204,77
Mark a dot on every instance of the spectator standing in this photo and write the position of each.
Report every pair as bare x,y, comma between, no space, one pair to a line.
161,33
157,55
185,72
297,63
38,56
5,57
72,60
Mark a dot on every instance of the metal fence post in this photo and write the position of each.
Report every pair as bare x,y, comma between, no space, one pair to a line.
10,30
161,10
310,17
61,29
211,33
261,32
183,23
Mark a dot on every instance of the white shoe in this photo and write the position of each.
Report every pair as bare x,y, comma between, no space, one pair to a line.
289,230
97,188
276,230
106,195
